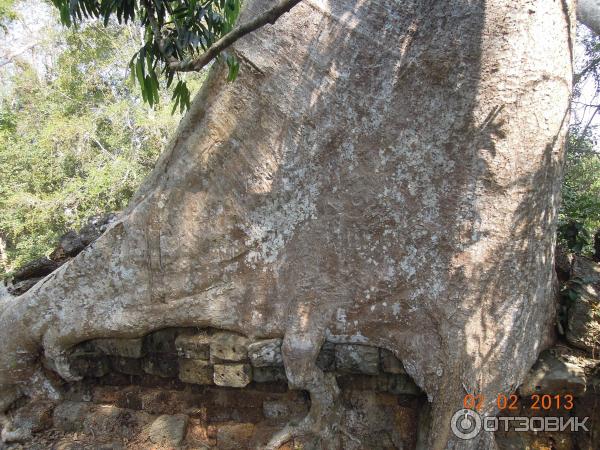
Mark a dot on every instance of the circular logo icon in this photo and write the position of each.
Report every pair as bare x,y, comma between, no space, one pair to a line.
466,424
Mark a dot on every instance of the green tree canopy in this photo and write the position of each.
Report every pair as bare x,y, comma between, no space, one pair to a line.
179,35
76,142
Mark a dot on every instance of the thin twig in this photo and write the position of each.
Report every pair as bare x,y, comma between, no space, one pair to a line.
589,122
12,56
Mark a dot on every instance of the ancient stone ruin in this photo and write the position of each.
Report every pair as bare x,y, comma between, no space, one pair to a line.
202,388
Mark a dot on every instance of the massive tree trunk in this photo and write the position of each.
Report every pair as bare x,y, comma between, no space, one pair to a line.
382,172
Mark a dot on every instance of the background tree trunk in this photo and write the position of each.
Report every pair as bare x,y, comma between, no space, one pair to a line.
381,172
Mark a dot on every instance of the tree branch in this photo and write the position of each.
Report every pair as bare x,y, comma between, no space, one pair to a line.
214,50
9,58
582,134
591,66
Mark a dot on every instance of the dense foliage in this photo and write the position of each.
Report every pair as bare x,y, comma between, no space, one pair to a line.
175,32
580,211
6,9
74,143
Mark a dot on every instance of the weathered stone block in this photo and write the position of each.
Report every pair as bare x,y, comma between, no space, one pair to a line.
168,430
161,341
326,357
232,375
193,345
228,347
128,348
551,375
269,374
91,367
128,366
391,364
161,366
583,319
586,269
195,371
265,353
356,358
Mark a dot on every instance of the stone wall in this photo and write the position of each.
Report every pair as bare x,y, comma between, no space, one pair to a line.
203,388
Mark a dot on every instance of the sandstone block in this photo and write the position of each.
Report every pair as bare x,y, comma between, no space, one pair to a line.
586,269
128,348
128,366
161,341
195,371
161,366
356,358
228,347
91,367
265,353
68,416
193,345
232,375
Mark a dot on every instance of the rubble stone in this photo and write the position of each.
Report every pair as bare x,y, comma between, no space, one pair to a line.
551,375
168,430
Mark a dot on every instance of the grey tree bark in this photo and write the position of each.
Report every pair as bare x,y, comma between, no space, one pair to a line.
382,172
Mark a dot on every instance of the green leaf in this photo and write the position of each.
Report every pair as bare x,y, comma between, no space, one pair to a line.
234,68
